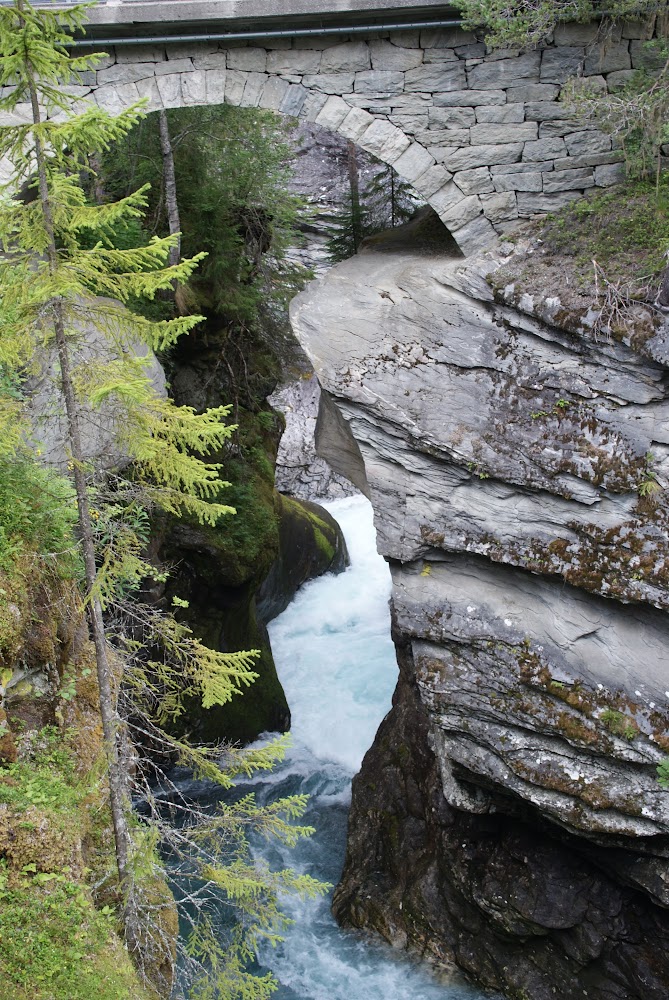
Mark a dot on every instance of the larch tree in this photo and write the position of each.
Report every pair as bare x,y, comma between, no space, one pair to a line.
60,270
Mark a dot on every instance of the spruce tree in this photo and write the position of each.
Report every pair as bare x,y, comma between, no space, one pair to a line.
60,269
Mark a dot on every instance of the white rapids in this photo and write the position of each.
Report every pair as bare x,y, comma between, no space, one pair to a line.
337,664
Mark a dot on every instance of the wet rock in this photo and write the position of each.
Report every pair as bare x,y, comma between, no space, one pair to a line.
508,817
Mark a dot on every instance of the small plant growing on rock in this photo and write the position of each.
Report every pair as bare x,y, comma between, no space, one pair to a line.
619,724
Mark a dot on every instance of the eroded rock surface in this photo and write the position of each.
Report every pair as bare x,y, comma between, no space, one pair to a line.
511,820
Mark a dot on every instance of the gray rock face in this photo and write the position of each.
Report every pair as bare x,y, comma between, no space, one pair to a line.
102,428
300,471
508,461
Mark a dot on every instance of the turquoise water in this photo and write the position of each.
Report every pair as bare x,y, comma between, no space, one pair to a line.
337,664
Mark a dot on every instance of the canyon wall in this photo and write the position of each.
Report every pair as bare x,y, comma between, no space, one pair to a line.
509,816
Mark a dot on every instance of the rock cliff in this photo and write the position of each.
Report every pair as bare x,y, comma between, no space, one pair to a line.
508,816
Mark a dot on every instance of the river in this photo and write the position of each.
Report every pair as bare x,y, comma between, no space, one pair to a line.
336,661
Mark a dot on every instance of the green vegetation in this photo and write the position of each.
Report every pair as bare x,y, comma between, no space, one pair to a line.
619,724
69,260
54,943
528,22
239,214
627,236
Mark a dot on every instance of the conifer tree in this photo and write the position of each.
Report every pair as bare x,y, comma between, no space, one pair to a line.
59,270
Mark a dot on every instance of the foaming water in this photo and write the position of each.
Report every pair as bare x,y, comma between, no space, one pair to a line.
337,664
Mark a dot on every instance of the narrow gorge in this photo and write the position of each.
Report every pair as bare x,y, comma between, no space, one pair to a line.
508,816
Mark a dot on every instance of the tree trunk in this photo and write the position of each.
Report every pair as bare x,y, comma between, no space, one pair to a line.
117,784
170,187
354,181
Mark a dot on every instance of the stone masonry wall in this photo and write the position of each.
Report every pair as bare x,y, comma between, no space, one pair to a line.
481,136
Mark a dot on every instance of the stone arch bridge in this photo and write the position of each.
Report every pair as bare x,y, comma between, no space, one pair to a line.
481,136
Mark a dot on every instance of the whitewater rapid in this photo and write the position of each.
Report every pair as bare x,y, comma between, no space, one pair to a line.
336,661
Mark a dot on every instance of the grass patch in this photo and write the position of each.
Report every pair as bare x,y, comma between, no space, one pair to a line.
54,943
625,230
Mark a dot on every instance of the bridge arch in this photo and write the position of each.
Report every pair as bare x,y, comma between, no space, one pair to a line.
481,136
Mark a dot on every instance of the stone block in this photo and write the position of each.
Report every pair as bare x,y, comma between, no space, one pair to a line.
348,57
530,204
249,60
645,55
521,168
500,207
215,84
608,58
175,52
533,92
634,29
140,53
355,124
255,84
611,173
127,73
591,86
375,81
169,87
405,39
235,82
559,64
440,56
476,50
436,78
410,123
492,134
293,61
452,117
313,106
568,180
616,81
469,98
148,90
575,34
389,57
475,236
511,114
194,87
544,149
380,107
586,143
384,140
594,160
211,60
412,102
482,156
332,113
173,66
477,181
526,181
413,162
545,111
293,100
453,208
445,38
273,93
441,143
548,130
330,83
431,181
504,73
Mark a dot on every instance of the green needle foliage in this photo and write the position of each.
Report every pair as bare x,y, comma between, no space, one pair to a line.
63,271
528,22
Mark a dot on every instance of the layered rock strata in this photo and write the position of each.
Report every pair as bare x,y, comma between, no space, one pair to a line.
509,816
